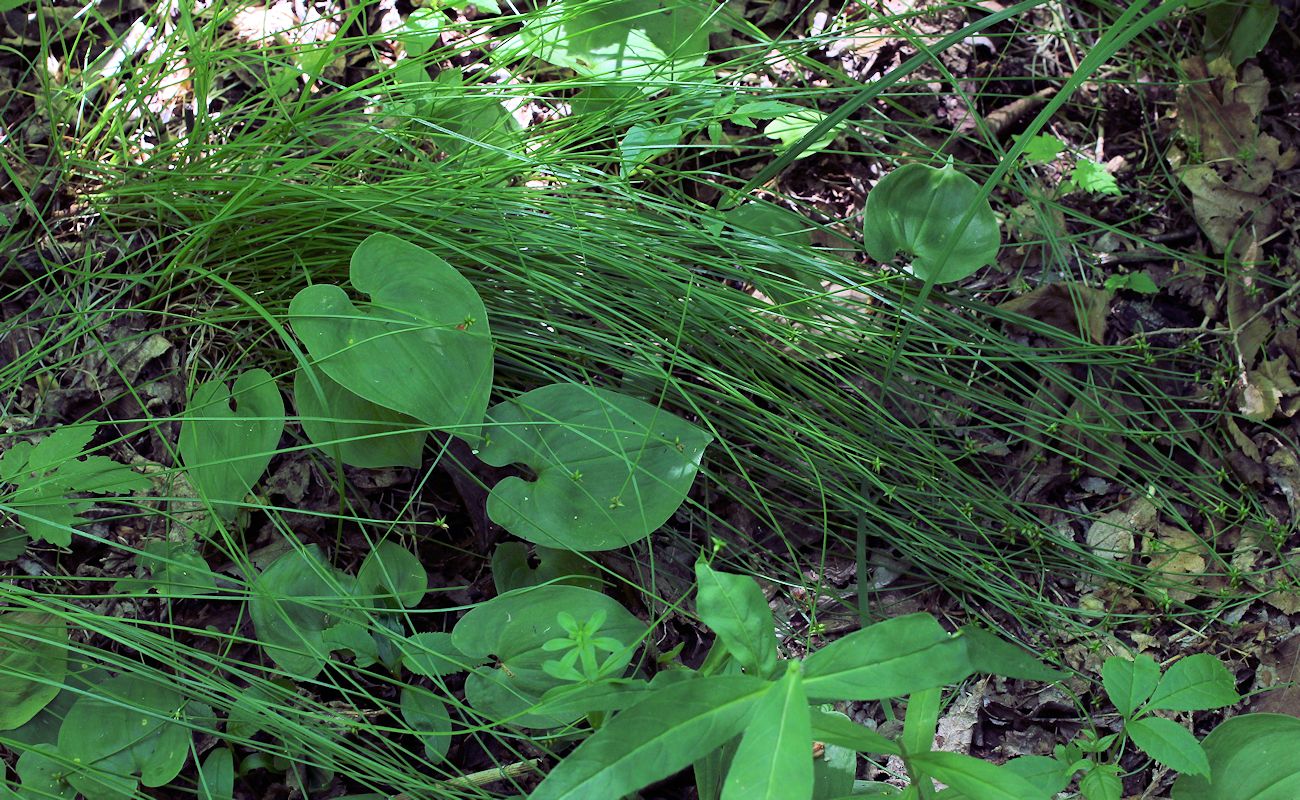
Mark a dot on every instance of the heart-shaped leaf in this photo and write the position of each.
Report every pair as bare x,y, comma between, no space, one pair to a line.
421,347
610,468
935,215
33,661
366,435
226,451
391,572
293,603
513,628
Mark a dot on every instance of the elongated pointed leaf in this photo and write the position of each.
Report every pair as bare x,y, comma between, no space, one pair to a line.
836,728
610,468
774,759
735,609
996,656
1169,743
976,779
1128,684
889,659
655,738
1195,683
421,347
225,452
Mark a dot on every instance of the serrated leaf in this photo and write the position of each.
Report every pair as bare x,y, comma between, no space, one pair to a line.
655,738
1092,177
1169,743
1042,148
773,760
1128,684
1196,683
889,659
610,469
734,608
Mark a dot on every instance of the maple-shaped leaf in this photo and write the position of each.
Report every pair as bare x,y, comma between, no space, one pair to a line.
42,476
1091,176
1042,149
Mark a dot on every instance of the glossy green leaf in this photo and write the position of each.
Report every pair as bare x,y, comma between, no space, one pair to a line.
922,720
390,571
43,772
635,41
734,608
513,628
421,347
226,451
33,662
976,779
773,761
292,603
511,570
365,434
655,738
991,654
1252,757
1048,774
1169,743
1128,684
217,776
1102,782
920,210
836,728
889,659
129,728
427,716
1195,683
610,469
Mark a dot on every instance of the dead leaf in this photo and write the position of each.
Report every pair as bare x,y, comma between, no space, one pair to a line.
1279,668
1176,554
1075,309
1113,534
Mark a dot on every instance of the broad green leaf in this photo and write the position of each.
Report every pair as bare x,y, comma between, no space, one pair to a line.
513,628
1195,683
44,727
432,654
1252,757
1169,743
426,713
889,659
920,210
421,347
790,129
610,469
994,655
13,543
773,761
836,728
129,728
976,779
392,571
1238,30
643,42
834,771
216,777
655,738
584,698
175,570
511,570
734,608
367,435
470,119
1102,782
43,771
421,31
33,662
1128,684
646,141
292,603
226,451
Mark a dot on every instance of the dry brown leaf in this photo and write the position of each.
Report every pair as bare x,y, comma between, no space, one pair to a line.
1073,308
1114,533
1177,555
1278,676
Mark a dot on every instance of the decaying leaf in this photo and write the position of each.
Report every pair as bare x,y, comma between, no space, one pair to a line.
1113,534
1075,309
1177,555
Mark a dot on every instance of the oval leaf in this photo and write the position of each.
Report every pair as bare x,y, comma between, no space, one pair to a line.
1252,757
1195,683
427,715
33,662
735,609
226,451
1128,684
366,435
922,211
291,604
391,572
889,659
1169,743
421,347
655,738
217,776
610,468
